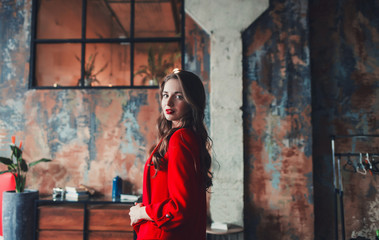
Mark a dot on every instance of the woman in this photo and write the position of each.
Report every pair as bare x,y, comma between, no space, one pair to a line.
177,173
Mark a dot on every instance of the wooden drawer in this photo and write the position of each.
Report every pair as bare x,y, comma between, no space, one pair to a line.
109,218
78,235
60,235
110,235
61,217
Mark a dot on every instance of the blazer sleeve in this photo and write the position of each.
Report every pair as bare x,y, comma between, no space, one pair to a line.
183,182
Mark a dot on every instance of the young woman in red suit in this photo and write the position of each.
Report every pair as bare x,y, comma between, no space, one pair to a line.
177,173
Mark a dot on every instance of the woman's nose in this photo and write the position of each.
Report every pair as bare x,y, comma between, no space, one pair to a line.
170,101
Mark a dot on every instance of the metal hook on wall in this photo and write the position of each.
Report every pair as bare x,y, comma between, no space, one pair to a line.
350,166
369,163
360,165
368,160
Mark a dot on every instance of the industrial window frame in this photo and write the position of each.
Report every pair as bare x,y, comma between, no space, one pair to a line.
83,41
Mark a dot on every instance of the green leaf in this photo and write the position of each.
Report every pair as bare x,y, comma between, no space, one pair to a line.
159,57
23,165
143,70
39,161
12,168
151,60
23,179
6,161
77,58
102,69
5,171
91,63
19,183
16,151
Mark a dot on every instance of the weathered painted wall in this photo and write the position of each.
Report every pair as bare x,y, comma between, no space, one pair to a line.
277,124
91,135
197,59
345,73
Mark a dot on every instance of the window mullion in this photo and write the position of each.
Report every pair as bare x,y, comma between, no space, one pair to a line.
83,42
132,18
182,41
32,79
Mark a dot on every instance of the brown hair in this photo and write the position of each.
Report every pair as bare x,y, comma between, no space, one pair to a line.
194,95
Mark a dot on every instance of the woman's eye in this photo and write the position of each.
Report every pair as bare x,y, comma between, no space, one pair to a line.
165,95
179,97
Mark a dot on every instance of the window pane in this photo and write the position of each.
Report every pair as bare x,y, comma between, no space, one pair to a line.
59,19
157,18
57,64
107,64
108,19
152,61
57,61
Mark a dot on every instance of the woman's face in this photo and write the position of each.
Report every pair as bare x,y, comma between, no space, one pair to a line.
173,104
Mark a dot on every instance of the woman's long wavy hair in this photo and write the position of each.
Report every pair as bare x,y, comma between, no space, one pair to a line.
194,95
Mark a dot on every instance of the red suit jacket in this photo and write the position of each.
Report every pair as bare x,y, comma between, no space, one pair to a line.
175,198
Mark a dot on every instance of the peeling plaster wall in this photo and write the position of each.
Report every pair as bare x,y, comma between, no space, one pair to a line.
91,135
277,124
345,71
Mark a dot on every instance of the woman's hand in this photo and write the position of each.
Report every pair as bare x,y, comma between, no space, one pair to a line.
138,213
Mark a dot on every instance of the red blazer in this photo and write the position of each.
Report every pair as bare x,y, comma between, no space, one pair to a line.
175,198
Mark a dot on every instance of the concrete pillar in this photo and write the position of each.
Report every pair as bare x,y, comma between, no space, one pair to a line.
225,20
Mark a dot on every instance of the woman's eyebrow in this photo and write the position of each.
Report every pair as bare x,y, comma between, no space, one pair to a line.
177,92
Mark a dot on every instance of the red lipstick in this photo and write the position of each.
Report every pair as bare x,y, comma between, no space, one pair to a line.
169,111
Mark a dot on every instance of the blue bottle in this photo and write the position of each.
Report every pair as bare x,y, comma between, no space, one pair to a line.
116,188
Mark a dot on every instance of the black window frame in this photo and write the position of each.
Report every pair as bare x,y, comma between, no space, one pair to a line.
83,41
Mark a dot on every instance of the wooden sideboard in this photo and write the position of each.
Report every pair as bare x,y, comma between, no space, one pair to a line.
84,220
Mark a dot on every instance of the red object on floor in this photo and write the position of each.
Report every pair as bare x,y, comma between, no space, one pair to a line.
7,183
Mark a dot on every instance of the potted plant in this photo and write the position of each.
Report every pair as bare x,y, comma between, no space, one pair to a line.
89,75
156,67
18,214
